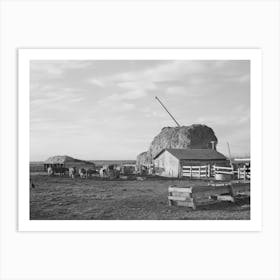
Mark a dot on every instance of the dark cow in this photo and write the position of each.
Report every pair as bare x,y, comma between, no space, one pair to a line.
61,171
90,172
82,173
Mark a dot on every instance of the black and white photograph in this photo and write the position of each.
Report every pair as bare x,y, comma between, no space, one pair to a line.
140,139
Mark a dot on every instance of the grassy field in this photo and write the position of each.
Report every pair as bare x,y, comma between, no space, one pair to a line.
62,198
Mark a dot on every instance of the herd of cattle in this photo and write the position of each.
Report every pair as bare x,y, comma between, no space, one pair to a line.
107,171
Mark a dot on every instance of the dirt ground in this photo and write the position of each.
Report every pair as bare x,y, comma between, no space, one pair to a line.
62,198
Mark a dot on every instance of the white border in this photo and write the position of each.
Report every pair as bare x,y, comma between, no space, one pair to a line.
254,55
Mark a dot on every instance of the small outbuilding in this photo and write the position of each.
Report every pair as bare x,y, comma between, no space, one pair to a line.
169,162
56,161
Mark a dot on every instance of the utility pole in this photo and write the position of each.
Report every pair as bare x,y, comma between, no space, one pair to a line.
229,153
167,111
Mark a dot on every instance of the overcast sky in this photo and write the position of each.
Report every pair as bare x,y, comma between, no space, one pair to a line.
107,109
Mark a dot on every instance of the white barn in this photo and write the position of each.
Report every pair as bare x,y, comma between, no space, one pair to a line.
168,162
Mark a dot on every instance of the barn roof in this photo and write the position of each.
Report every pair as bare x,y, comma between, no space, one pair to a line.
194,154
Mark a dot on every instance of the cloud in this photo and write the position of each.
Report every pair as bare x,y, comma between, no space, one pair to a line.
45,68
176,70
165,71
244,78
126,107
78,99
132,95
142,84
181,77
52,94
58,66
53,105
232,120
123,96
176,90
97,82
114,101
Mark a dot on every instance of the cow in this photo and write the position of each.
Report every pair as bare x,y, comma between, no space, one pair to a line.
102,172
50,171
72,172
82,173
90,172
60,170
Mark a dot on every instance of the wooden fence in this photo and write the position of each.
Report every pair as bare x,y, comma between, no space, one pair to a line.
203,195
195,171
208,171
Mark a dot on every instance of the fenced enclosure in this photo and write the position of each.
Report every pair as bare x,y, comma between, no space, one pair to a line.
208,171
203,195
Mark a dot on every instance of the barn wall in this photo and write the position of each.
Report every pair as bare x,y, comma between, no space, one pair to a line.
222,162
167,165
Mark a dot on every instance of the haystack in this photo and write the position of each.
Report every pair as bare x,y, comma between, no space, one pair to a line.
196,136
59,160
66,161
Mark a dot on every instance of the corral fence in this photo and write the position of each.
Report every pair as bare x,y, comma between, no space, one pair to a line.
196,171
208,171
197,196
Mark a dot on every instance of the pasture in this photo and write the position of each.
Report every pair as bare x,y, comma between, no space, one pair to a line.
62,198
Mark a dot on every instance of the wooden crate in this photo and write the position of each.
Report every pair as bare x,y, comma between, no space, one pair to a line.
180,196
195,196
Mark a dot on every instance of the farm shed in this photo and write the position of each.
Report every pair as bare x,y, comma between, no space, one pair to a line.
169,162
66,161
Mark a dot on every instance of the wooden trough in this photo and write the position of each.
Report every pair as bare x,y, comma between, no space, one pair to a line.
201,195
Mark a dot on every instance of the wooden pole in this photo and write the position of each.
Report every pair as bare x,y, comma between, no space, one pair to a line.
167,111
229,153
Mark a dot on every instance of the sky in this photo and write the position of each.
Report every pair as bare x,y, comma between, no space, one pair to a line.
106,109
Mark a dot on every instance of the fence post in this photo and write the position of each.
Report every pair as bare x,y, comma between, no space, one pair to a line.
199,169
209,170
170,202
191,171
